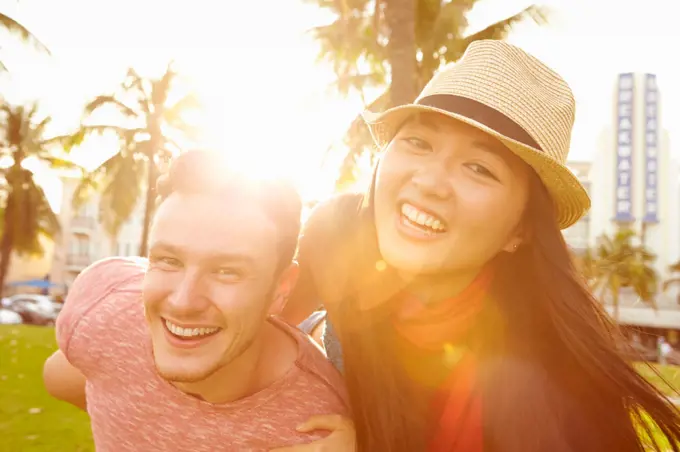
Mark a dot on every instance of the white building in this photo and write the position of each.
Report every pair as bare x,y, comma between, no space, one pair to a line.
633,180
83,240
578,236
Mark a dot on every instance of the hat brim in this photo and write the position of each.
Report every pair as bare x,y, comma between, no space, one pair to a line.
570,198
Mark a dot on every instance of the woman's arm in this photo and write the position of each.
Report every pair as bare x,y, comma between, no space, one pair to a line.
322,256
304,298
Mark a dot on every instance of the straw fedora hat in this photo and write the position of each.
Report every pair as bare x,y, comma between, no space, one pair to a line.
511,95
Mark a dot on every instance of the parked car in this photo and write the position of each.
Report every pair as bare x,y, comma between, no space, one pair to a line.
34,309
8,317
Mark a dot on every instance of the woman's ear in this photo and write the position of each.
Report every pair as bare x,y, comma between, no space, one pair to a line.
518,238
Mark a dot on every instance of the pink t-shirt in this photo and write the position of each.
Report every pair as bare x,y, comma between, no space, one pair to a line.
103,332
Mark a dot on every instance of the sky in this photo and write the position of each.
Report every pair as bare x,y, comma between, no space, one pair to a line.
267,97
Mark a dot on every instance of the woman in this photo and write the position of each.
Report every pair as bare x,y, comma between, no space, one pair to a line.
462,322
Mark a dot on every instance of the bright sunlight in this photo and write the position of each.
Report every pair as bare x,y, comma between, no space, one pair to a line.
266,106
267,100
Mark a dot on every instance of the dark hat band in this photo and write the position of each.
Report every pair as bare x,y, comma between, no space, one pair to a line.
482,114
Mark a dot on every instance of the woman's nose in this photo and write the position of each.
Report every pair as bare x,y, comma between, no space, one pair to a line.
432,179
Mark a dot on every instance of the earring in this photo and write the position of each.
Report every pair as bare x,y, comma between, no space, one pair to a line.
514,247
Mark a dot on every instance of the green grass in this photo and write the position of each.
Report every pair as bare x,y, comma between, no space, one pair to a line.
670,374
31,420
668,382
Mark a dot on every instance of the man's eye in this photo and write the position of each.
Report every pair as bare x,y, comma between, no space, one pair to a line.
227,271
229,274
165,262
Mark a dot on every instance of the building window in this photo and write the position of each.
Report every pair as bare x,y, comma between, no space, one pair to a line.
80,245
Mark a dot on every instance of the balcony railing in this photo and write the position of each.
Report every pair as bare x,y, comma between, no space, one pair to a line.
81,222
78,260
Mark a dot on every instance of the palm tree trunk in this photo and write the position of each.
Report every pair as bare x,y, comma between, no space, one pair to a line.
6,242
113,246
149,206
400,16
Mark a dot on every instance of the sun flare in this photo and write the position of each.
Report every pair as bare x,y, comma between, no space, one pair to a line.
267,103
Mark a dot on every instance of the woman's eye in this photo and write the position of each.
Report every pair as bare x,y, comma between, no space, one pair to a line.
481,170
418,144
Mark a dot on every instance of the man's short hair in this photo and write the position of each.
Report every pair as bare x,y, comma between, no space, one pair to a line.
207,172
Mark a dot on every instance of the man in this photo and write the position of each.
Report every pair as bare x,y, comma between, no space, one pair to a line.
180,352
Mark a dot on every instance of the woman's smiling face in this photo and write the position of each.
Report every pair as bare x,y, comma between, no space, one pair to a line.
448,197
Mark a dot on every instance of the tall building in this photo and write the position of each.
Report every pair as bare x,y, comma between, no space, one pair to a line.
633,180
83,239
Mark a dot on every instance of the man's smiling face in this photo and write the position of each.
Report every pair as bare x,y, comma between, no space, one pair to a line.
212,272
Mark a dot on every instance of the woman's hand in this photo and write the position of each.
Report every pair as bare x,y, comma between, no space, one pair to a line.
341,439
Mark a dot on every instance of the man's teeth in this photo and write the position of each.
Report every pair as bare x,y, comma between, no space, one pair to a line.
421,218
189,332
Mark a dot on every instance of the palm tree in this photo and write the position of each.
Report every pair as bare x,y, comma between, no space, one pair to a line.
587,265
618,263
18,30
27,214
150,134
400,43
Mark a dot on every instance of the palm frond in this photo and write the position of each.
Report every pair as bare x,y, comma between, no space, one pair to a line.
140,88
500,29
22,33
39,129
121,191
351,42
188,103
670,282
122,178
102,101
59,163
28,210
133,81
70,141
87,185
161,88
355,44
358,141
620,262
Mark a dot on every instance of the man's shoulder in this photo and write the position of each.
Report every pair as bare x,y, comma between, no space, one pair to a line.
102,281
102,278
318,373
109,273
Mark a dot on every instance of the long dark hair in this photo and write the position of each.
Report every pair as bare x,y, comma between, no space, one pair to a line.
551,372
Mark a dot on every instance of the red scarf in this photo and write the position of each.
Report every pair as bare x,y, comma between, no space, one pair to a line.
436,328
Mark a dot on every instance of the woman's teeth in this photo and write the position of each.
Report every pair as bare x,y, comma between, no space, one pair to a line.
422,219
189,332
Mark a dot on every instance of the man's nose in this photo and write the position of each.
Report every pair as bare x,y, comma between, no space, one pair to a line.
188,296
